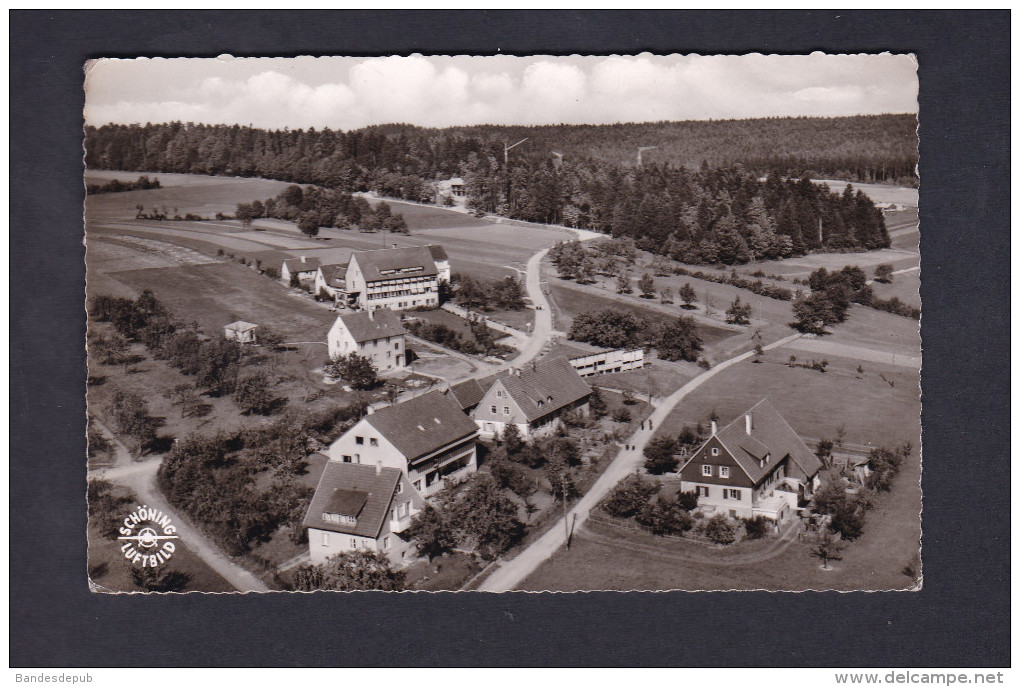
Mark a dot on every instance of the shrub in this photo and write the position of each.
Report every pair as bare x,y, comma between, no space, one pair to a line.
629,496
621,414
757,527
688,500
719,530
662,517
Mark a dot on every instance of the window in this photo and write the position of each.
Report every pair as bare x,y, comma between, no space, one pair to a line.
325,538
493,408
357,458
360,441
396,346
724,471
734,494
386,544
499,394
373,441
347,459
706,470
354,543
506,410
417,485
702,491
715,451
400,487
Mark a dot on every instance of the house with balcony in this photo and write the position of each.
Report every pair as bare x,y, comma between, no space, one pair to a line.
755,465
374,334
428,438
394,278
533,398
359,507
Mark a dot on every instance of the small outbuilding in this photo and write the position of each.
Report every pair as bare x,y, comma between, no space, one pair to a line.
241,331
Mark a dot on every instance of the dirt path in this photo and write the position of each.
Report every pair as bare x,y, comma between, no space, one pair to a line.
140,477
778,546
856,353
512,573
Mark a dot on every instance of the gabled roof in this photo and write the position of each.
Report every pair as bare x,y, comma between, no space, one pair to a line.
387,263
770,435
468,394
342,486
437,252
333,274
295,265
553,383
423,425
377,324
241,326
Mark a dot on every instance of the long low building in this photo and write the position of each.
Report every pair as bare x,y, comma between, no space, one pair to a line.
619,360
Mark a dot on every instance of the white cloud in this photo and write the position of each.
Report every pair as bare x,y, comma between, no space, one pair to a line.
348,93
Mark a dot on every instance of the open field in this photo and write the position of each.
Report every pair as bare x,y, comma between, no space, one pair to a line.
815,404
905,286
568,299
879,193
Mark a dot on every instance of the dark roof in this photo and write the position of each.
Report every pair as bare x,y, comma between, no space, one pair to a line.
468,394
309,265
342,486
333,273
377,324
346,502
554,382
438,252
770,434
423,425
375,262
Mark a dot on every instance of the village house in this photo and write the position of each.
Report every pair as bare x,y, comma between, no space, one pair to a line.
533,398
756,465
618,360
330,279
304,267
361,508
375,334
468,394
395,278
428,438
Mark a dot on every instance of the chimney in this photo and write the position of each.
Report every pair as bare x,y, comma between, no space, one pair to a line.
748,424
378,467
394,245
303,259
714,427
371,314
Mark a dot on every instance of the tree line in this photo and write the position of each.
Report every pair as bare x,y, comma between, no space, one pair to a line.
143,183
723,213
314,207
675,339
402,159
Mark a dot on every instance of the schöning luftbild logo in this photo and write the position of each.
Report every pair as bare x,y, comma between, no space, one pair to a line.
148,537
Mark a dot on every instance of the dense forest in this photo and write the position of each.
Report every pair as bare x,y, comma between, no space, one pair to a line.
743,202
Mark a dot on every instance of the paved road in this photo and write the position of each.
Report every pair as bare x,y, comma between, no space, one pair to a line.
140,477
513,572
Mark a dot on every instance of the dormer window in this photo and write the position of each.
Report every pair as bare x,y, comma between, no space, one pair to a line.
338,519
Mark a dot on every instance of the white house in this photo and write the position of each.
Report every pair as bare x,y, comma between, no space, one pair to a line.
361,508
428,438
304,267
395,278
375,334
618,360
532,398
756,465
442,261
330,278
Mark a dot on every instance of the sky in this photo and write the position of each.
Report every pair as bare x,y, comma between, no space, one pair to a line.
352,92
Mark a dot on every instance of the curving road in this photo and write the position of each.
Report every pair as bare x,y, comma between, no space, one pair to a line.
140,477
512,573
